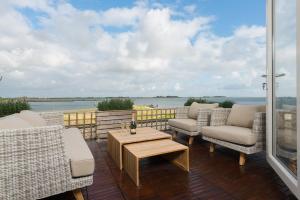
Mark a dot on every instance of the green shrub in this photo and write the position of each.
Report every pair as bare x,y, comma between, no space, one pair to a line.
226,104
198,100
115,104
223,104
11,106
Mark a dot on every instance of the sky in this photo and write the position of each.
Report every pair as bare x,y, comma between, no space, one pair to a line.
71,48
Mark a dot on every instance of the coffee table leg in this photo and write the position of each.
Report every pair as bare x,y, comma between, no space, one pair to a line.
115,150
131,166
181,159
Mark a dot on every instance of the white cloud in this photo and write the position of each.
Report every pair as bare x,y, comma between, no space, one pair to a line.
148,53
217,77
178,87
285,48
250,32
122,16
190,8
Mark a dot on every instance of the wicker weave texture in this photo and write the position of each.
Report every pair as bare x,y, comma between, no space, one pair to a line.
33,162
182,112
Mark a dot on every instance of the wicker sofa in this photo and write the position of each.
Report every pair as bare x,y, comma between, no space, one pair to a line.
189,121
242,128
40,158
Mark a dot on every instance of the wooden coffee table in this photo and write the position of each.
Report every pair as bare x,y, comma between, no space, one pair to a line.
117,138
173,151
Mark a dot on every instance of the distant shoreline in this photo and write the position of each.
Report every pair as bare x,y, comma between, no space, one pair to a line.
75,103
72,99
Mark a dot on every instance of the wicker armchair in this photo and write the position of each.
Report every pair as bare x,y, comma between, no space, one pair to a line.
33,162
183,123
242,139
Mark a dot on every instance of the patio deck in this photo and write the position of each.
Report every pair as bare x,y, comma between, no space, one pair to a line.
212,176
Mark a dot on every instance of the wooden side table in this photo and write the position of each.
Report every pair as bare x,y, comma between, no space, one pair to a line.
120,137
176,153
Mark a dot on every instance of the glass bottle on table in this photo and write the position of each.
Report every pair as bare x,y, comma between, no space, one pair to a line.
133,125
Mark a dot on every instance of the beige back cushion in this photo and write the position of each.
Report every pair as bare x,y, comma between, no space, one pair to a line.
13,122
33,118
195,107
243,115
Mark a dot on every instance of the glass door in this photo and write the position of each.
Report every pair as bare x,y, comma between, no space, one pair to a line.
283,90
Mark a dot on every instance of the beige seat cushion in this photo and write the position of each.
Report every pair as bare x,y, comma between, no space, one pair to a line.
185,124
233,134
33,118
287,139
81,159
195,107
243,115
13,122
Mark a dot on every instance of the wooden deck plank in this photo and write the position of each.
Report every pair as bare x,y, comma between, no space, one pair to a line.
212,176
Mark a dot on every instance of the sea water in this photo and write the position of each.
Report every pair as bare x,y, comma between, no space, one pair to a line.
154,101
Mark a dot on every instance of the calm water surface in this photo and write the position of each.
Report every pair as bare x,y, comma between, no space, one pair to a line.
157,102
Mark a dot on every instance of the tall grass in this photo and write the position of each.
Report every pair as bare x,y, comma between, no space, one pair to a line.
11,106
226,104
198,100
115,104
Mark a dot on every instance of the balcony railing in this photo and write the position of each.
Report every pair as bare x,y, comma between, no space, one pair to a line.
85,121
157,118
88,123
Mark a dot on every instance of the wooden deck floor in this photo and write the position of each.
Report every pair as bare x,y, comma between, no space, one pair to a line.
212,176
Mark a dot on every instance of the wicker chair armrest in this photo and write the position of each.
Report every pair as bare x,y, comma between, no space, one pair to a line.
182,112
53,118
219,116
259,126
36,157
203,118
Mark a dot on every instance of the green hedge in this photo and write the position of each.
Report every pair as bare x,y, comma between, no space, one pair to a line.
198,100
223,104
11,106
226,104
115,104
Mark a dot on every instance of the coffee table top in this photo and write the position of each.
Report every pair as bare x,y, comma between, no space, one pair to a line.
155,147
142,134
